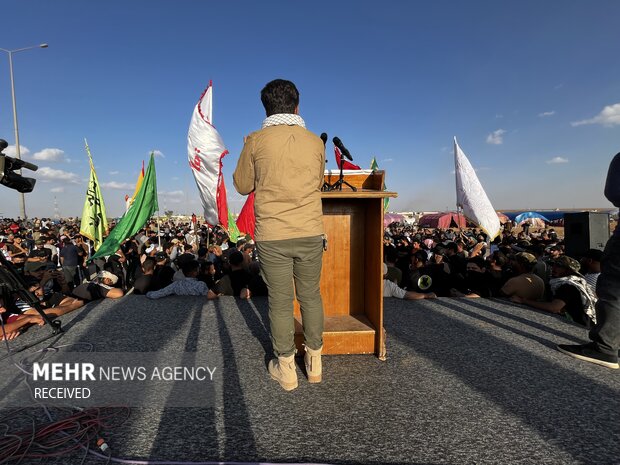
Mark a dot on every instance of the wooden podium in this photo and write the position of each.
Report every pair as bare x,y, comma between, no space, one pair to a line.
352,275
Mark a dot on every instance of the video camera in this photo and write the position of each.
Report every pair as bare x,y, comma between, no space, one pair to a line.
8,176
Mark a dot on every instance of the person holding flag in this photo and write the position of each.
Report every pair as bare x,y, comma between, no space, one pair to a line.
283,164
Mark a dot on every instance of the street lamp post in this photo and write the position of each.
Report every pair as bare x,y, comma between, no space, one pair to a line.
22,199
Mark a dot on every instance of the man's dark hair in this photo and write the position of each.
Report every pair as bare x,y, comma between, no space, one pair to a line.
149,264
279,96
479,261
190,266
421,256
391,255
500,258
235,258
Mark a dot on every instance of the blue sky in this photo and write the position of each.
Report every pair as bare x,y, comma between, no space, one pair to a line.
527,87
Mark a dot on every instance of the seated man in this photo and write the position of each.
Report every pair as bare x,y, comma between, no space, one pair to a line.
14,322
477,281
54,304
186,286
238,279
390,289
526,285
394,274
591,267
571,294
144,283
99,288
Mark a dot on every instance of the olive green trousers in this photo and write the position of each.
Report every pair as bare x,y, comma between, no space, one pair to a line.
293,267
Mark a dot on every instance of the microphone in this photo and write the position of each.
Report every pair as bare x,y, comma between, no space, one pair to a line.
324,137
19,164
338,143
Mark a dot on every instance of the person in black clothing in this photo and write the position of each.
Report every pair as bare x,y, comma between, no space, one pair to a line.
143,284
241,282
208,274
477,282
163,273
605,335
456,260
237,279
117,265
426,278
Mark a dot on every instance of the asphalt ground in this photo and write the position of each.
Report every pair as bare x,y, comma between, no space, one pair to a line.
466,381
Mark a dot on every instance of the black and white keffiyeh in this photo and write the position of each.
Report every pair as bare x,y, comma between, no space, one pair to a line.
588,298
288,119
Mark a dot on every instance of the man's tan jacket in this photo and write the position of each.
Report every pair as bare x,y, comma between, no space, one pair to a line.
284,165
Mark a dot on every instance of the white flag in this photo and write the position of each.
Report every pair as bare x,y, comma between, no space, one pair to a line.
470,195
205,150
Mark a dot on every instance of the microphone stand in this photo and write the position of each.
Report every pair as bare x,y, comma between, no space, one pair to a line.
12,283
338,184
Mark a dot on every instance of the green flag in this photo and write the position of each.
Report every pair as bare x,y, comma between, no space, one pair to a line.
94,222
233,230
386,200
143,207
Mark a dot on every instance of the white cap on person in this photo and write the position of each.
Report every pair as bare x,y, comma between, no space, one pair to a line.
107,274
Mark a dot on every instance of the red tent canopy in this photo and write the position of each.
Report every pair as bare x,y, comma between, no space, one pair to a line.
389,218
443,220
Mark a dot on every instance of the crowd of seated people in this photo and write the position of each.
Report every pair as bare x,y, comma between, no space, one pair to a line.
53,257
528,268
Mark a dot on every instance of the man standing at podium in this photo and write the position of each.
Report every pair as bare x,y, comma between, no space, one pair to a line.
283,164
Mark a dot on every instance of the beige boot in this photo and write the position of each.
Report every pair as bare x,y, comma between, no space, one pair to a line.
283,371
314,368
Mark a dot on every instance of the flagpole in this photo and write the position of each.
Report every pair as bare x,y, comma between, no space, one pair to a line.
158,231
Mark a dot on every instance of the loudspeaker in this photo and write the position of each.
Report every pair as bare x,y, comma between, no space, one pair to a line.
584,231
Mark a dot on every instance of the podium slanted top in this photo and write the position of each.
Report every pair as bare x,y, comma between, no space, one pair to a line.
369,183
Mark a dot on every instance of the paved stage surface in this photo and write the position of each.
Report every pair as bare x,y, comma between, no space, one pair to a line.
466,381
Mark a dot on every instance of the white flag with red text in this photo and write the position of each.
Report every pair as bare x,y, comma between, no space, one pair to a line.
471,197
205,150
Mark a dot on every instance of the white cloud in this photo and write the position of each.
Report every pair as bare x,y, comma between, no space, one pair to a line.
496,137
175,178
556,160
117,185
45,173
114,173
387,160
499,116
57,189
609,116
158,153
10,151
172,193
172,196
49,154
546,113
